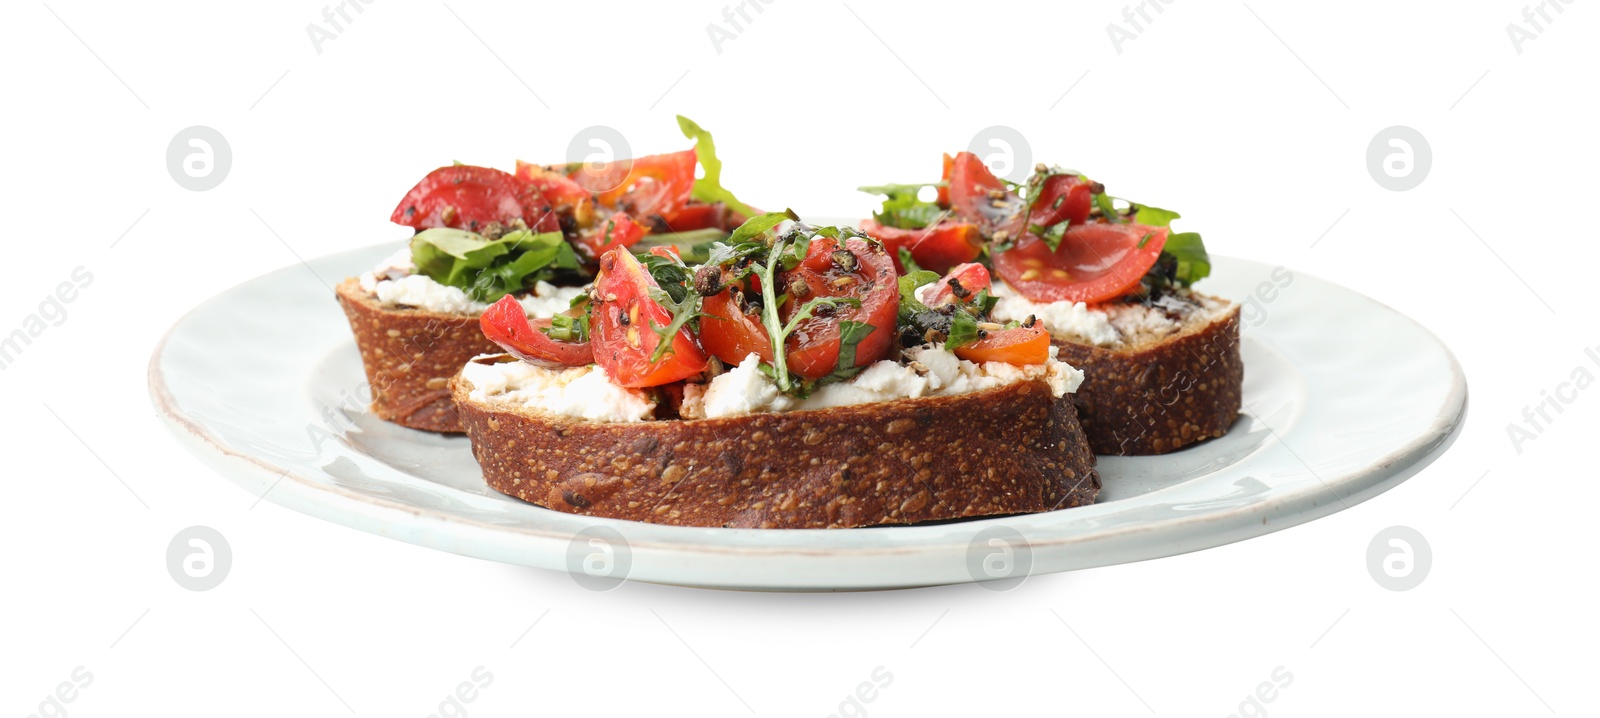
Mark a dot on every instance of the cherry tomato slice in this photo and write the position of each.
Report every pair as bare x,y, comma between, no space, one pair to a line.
960,285
623,322
506,323
1095,262
1019,345
646,187
567,197
470,198
729,334
614,229
936,248
813,348
977,196
812,351
1064,198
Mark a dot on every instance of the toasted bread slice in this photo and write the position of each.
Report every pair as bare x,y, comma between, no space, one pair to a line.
409,355
1007,450
1165,384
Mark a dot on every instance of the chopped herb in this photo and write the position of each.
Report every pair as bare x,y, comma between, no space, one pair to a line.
568,329
1107,209
1194,264
902,208
907,262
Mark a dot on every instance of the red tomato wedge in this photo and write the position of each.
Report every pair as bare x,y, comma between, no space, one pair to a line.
977,196
1019,345
1095,262
467,197
729,334
614,229
506,323
812,351
936,248
623,321
567,197
960,285
647,187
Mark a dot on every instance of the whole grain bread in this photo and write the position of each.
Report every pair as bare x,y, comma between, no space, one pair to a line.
409,355
1160,394
1013,449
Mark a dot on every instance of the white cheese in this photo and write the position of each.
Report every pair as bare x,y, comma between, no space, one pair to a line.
1068,319
394,281
930,371
578,392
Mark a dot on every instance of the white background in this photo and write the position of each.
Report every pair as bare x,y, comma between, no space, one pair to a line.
1253,120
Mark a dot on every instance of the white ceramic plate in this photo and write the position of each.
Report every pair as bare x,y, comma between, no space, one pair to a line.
1344,398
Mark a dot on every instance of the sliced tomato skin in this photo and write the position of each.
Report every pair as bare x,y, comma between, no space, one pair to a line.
1019,345
611,230
646,187
1063,198
469,197
972,278
936,248
728,333
977,196
506,323
1095,262
813,349
567,197
622,323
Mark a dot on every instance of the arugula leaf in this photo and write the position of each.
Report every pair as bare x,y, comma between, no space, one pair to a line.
963,330
709,188
1194,264
758,225
1154,216
907,261
568,329
489,269
909,284
902,209
1107,209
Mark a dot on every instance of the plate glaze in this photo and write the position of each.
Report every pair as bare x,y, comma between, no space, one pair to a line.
275,401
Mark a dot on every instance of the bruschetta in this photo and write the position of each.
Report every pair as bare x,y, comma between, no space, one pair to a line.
1107,278
535,234
793,380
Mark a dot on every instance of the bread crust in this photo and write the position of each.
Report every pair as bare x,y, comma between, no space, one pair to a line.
1163,397
1013,449
410,355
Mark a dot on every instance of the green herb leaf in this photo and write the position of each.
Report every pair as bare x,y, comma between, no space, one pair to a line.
907,261
850,334
1194,264
963,330
1154,216
709,188
902,209
913,280
568,329
753,228
1107,209
489,269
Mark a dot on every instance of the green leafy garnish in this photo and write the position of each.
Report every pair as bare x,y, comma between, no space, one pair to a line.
673,293
709,188
1107,209
490,269
902,209
1194,264
963,330
909,284
850,334
1053,234
1154,216
906,260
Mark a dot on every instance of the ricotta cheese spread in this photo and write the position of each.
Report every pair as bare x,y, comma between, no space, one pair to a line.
1074,319
395,281
587,393
579,392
